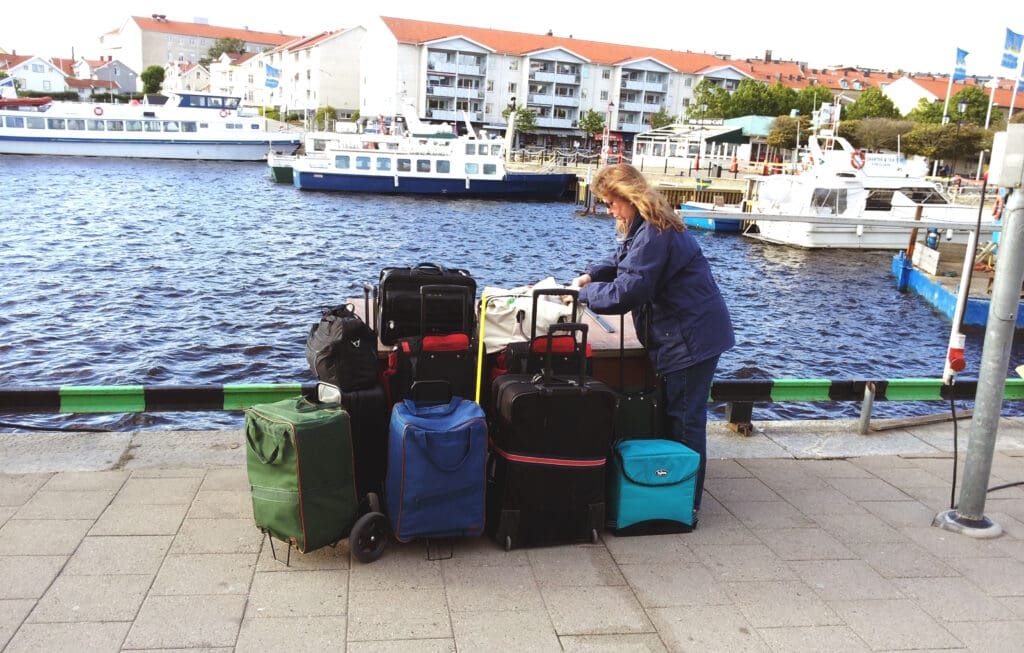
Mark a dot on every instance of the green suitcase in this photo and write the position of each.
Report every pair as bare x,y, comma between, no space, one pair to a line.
300,466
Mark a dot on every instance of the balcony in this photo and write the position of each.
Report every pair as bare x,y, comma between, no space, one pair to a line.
456,69
556,123
554,77
566,101
546,99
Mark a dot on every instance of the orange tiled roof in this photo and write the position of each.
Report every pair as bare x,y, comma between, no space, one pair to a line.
66,66
310,41
11,60
520,43
210,31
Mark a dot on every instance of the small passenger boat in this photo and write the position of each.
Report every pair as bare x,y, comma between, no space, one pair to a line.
194,126
426,160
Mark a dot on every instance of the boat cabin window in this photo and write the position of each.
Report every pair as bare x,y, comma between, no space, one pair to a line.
472,168
833,199
14,121
151,125
95,125
496,150
444,166
231,102
55,123
924,195
171,126
216,102
490,169
35,123
76,123
482,149
422,165
383,164
188,126
470,148
115,125
404,165
362,163
879,199
133,125
342,162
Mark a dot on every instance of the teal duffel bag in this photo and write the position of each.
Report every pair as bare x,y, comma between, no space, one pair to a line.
651,487
299,460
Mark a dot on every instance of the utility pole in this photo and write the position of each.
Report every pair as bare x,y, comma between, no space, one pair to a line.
968,517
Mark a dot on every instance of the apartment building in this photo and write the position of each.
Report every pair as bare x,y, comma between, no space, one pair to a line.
142,42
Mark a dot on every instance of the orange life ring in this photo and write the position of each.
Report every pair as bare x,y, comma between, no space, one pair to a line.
857,159
224,113
997,210
98,111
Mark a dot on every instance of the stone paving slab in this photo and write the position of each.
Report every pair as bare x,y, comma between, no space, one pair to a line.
810,538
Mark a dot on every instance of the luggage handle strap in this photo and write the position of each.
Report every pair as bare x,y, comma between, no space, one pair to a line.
275,455
425,443
560,292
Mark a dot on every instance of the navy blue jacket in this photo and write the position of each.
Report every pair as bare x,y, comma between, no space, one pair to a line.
664,279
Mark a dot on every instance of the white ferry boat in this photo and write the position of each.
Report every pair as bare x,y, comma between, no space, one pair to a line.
423,160
197,126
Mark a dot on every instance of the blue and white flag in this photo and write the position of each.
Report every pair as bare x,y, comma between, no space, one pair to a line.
272,75
1012,49
960,70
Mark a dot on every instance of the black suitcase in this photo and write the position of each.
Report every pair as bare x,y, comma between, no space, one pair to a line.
528,357
549,445
443,357
399,301
370,416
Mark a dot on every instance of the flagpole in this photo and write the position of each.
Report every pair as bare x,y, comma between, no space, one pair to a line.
1013,90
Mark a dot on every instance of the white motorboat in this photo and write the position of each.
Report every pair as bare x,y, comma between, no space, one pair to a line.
196,126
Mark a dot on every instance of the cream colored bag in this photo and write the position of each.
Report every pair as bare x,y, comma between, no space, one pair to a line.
500,325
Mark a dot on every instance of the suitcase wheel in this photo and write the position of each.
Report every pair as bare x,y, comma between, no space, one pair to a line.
508,542
369,537
593,536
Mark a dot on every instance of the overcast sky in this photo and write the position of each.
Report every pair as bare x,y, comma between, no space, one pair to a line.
881,34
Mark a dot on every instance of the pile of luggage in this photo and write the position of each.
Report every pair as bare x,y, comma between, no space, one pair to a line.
454,438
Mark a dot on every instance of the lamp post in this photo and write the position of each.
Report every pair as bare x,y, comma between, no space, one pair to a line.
795,115
605,147
961,108
700,135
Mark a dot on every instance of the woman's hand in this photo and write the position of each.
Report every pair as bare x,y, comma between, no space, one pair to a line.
580,281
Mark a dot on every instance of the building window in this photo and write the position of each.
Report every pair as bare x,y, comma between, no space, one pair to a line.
513,64
490,85
511,87
604,96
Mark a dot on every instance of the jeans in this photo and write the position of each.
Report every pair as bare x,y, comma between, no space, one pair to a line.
686,403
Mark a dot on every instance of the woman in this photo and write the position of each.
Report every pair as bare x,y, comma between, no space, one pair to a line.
660,274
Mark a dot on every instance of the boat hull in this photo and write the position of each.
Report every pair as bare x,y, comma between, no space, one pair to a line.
205,150
532,186
701,217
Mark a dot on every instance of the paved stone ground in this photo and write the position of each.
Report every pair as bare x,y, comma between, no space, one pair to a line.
812,538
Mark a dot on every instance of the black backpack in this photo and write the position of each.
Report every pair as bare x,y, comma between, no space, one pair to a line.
342,350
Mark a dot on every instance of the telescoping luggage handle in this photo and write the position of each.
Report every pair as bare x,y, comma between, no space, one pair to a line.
570,327
559,292
446,290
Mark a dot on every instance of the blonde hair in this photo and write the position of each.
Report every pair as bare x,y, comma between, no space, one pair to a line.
624,181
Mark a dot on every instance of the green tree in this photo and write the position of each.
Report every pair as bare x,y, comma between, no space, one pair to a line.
976,109
783,132
750,98
810,98
325,118
872,103
714,96
220,47
782,99
591,123
929,113
152,79
880,133
661,119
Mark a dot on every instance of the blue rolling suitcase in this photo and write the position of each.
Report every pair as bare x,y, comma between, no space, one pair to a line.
651,487
436,469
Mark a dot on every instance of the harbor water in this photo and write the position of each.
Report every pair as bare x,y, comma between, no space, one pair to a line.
118,272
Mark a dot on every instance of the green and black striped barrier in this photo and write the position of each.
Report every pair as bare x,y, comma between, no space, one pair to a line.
144,399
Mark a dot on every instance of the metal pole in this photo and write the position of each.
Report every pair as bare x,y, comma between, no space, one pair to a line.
969,516
866,406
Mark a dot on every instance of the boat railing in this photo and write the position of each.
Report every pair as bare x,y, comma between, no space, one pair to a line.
739,396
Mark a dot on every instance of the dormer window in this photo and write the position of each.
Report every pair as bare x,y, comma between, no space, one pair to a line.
843,83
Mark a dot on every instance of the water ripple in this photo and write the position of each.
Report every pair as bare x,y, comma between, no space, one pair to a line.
191,273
